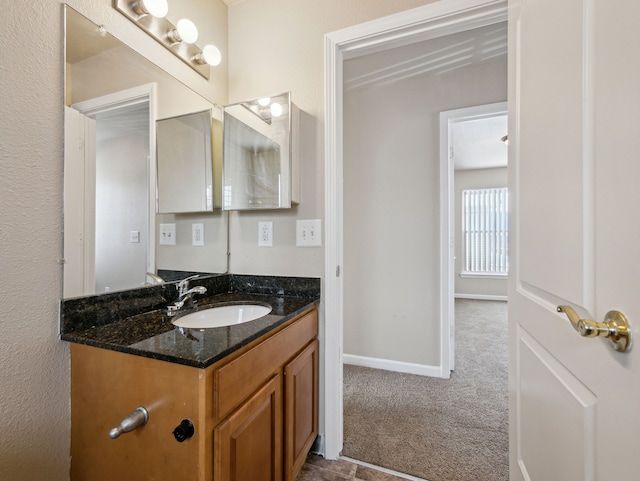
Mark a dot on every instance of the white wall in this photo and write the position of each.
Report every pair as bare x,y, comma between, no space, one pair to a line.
392,208
475,179
34,363
122,184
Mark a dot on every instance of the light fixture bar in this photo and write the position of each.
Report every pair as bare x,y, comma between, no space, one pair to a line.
158,28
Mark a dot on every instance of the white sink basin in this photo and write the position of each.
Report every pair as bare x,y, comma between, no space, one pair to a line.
222,316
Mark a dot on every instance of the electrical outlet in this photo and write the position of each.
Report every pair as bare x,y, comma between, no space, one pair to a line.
197,234
265,234
168,234
308,233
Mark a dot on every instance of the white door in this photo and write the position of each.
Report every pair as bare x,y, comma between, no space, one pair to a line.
574,132
79,203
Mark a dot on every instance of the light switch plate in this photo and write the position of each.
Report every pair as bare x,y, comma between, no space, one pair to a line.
134,236
309,233
167,234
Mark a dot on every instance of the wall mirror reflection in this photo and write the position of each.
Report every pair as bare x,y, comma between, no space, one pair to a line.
112,236
260,154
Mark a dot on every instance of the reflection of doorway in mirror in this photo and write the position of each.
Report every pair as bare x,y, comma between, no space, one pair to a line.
116,248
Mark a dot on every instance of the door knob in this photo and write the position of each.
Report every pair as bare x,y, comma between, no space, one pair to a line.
615,327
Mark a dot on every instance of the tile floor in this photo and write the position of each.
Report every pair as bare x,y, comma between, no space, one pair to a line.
317,468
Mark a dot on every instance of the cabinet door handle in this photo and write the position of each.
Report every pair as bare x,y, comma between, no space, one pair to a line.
137,418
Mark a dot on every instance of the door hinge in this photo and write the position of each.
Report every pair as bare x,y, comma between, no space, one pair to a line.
337,271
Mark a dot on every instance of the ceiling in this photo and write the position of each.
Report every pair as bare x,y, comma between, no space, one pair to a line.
428,57
477,144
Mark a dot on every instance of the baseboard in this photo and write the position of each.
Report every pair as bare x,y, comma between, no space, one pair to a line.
397,366
481,297
384,470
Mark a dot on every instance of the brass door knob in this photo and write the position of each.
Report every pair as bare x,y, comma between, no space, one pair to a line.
615,327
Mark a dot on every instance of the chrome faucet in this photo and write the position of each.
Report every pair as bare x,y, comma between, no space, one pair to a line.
155,279
184,297
183,285
185,294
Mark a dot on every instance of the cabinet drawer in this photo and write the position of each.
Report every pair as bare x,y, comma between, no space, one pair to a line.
234,382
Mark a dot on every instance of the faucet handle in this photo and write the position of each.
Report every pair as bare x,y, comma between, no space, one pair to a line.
183,285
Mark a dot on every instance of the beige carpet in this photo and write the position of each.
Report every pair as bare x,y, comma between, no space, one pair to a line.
437,429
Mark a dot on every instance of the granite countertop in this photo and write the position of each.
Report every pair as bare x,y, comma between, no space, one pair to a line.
151,333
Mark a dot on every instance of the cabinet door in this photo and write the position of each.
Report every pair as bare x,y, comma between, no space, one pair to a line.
301,408
108,385
248,444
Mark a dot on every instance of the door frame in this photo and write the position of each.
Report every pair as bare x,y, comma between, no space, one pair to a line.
124,98
429,21
448,119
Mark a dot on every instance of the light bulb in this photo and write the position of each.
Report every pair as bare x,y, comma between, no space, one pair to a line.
155,8
209,55
276,109
187,30
264,101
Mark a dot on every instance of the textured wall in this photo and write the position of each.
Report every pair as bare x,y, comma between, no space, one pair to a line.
34,364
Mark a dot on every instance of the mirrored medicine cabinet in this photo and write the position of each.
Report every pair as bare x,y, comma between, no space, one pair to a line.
189,153
261,154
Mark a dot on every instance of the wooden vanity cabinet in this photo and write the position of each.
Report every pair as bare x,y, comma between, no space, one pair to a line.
255,412
288,361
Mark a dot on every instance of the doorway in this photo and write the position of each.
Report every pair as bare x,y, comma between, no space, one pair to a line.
398,197
431,21
115,191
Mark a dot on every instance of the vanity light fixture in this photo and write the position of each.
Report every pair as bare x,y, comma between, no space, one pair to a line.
276,109
209,55
268,108
185,31
179,39
156,8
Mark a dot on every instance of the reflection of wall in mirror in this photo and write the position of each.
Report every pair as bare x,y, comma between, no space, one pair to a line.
122,190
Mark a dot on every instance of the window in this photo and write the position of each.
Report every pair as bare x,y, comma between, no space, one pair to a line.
485,232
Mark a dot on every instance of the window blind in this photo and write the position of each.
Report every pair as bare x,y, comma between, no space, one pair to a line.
485,231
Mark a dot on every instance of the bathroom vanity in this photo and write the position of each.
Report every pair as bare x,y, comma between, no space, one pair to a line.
249,391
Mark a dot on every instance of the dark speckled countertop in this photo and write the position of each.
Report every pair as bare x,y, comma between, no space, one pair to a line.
102,323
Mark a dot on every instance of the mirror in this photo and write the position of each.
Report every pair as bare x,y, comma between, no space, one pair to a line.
185,163
112,238
260,154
